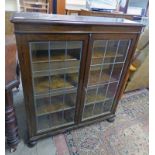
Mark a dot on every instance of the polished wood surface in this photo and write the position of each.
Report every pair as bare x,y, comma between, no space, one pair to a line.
11,81
67,19
69,28
10,59
11,126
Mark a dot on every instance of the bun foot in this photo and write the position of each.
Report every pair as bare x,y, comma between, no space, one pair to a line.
111,119
32,143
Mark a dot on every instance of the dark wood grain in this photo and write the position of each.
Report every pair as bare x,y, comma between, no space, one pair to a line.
35,28
87,68
10,59
11,81
66,28
125,73
25,17
123,78
11,127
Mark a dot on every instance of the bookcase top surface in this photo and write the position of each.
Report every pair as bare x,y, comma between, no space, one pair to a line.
29,17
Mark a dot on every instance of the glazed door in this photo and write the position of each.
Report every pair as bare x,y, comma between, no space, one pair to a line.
57,77
106,62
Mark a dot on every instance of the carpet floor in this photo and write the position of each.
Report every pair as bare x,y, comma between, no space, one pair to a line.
128,135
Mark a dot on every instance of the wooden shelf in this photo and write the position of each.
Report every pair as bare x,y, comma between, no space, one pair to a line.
61,64
39,58
98,57
58,64
55,72
56,92
91,99
44,85
101,84
94,78
58,45
58,85
108,54
52,108
42,67
55,104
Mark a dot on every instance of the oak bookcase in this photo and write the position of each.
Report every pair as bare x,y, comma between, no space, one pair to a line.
73,68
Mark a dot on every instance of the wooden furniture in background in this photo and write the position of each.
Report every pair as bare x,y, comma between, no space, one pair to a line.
57,6
11,81
73,68
50,6
61,6
34,6
106,14
72,10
